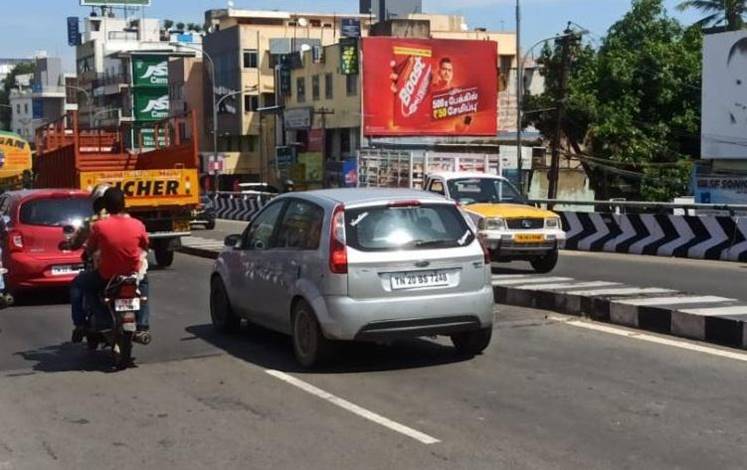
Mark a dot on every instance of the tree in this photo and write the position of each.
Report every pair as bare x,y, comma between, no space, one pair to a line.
180,27
633,105
728,13
168,24
194,27
8,84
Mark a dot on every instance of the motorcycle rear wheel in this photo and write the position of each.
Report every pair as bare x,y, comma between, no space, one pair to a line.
122,351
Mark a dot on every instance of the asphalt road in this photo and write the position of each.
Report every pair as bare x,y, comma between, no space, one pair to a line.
546,394
725,279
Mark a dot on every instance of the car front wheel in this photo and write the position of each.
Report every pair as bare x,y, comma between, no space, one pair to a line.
222,315
545,264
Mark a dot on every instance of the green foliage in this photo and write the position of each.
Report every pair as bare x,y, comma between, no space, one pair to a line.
8,84
728,13
633,108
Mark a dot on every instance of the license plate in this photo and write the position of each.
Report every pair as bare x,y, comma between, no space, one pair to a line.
529,238
129,327
415,280
126,305
65,270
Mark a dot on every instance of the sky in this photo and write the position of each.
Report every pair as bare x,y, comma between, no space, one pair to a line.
29,26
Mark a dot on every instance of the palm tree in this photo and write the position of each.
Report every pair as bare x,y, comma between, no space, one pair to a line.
726,12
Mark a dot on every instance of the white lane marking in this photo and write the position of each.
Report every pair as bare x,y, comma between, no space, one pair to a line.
652,339
353,408
536,280
733,310
623,291
569,287
705,299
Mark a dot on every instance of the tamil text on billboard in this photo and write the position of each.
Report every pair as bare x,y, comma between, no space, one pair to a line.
429,87
724,105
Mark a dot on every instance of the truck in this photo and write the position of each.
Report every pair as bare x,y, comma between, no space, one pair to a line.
15,161
511,229
160,180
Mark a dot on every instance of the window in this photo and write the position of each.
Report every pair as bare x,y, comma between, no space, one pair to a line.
18,109
328,84
301,227
483,190
423,226
251,59
301,89
268,99
351,84
437,186
26,108
315,87
248,143
55,212
251,103
258,236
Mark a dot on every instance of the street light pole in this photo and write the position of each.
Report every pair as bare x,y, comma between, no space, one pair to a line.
520,84
215,103
88,101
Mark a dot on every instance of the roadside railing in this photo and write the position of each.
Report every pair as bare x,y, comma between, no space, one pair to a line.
619,206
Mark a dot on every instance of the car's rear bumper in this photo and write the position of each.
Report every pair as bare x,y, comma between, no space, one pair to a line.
384,319
28,272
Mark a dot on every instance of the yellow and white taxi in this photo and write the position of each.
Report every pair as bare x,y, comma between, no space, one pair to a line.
511,229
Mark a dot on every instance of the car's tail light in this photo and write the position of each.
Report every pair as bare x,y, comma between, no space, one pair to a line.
15,240
413,203
338,254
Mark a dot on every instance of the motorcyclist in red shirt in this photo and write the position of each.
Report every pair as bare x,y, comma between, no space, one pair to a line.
120,241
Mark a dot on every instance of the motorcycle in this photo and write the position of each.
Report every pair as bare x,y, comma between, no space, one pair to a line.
112,322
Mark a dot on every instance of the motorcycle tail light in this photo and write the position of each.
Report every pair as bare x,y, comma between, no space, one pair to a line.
128,291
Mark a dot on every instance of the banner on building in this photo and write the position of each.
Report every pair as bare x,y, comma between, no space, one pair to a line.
297,118
150,71
720,189
442,87
724,113
351,28
73,31
349,56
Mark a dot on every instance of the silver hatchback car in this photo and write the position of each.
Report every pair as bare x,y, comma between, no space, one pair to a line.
356,264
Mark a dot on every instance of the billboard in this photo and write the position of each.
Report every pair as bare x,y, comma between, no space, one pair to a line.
724,99
115,3
150,71
16,154
430,87
151,105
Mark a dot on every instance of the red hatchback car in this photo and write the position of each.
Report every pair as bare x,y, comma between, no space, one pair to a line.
31,235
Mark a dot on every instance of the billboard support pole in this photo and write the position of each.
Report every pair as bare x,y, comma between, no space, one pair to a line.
519,94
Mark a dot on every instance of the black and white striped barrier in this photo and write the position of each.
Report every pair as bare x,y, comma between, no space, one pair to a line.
683,236
236,206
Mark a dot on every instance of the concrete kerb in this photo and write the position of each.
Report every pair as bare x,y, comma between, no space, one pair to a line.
617,308
199,252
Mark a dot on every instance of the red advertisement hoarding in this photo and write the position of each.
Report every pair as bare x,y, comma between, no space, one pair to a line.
429,87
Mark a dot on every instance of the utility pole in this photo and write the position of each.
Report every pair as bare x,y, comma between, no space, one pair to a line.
519,94
323,112
552,192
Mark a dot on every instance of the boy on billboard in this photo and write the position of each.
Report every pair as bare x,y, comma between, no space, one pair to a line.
445,76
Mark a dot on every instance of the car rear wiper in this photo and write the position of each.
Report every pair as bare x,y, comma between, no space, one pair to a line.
422,243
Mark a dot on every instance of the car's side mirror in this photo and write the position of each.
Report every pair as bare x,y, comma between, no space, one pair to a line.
68,231
232,241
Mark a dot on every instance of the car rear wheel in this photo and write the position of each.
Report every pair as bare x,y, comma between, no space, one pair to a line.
210,225
545,264
472,343
310,346
222,315
164,256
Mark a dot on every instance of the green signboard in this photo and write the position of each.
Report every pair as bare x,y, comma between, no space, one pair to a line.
148,136
151,104
348,56
115,3
150,71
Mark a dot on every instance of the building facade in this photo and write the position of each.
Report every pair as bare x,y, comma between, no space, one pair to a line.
247,48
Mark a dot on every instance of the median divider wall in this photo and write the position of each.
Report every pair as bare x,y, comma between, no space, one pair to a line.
237,206
682,236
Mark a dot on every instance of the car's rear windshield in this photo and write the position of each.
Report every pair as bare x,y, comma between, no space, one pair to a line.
389,228
55,212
